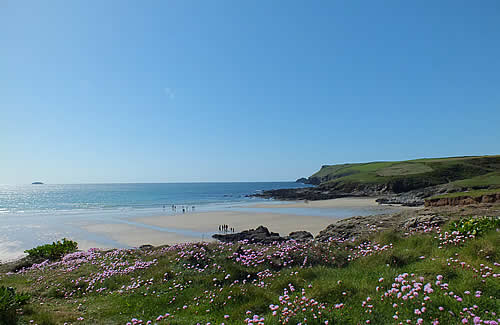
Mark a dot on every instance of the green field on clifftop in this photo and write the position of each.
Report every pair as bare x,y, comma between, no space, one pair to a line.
460,172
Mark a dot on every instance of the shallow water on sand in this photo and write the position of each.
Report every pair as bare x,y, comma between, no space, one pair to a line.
31,215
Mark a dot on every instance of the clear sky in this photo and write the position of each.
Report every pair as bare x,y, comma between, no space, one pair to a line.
172,91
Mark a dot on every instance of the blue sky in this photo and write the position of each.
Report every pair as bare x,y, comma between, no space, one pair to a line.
172,91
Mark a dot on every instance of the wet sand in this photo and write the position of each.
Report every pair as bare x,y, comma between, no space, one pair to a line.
197,226
200,226
348,202
135,236
209,221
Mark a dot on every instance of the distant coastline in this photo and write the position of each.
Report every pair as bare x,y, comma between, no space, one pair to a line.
409,183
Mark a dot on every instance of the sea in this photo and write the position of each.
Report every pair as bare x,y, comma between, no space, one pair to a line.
31,215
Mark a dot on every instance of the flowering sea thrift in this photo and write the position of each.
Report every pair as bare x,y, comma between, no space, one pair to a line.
337,282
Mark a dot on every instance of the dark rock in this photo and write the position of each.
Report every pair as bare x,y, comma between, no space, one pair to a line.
146,247
308,193
300,236
19,264
358,227
259,235
302,180
414,222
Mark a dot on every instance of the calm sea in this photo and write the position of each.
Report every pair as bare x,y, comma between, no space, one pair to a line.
36,199
31,215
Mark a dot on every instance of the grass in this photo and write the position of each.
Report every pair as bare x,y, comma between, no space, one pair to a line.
473,193
408,168
223,283
481,181
413,174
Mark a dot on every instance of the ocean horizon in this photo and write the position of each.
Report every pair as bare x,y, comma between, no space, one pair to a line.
30,198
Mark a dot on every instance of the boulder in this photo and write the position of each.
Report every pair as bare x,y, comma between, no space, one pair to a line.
258,235
414,222
300,236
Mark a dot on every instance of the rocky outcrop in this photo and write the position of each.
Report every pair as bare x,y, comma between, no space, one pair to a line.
308,193
300,236
388,193
19,264
463,200
258,235
413,198
356,227
302,180
262,235
418,221
361,227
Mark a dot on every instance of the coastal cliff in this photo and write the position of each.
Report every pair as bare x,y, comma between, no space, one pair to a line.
408,182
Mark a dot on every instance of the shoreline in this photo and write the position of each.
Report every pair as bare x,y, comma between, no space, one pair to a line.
154,230
345,202
280,217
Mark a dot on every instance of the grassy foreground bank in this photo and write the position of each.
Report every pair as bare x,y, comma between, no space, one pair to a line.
424,276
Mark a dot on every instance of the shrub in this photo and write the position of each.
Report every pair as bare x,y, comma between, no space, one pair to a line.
475,226
10,301
53,251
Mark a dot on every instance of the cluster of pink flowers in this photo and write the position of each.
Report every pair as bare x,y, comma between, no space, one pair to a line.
367,249
482,272
414,292
453,238
411,296
423,227
292,304
255,319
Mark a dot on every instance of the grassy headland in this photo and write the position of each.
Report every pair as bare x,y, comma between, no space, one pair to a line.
402,176
407,182
420,275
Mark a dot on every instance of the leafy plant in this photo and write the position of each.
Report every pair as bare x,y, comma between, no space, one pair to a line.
53,251
10,301
475,226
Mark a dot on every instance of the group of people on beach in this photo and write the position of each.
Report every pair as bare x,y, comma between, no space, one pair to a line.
225,229
184,208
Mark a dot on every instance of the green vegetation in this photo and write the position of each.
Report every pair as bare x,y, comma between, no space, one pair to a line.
404,169
475,226
473,193
443,271
53,251
10,301
401,176
481,181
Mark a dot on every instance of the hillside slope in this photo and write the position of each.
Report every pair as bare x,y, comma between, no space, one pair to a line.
407,182
403,176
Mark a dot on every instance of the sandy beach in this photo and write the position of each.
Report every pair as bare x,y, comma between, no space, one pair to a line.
209,221
348,202
169,229
136,236
197,226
